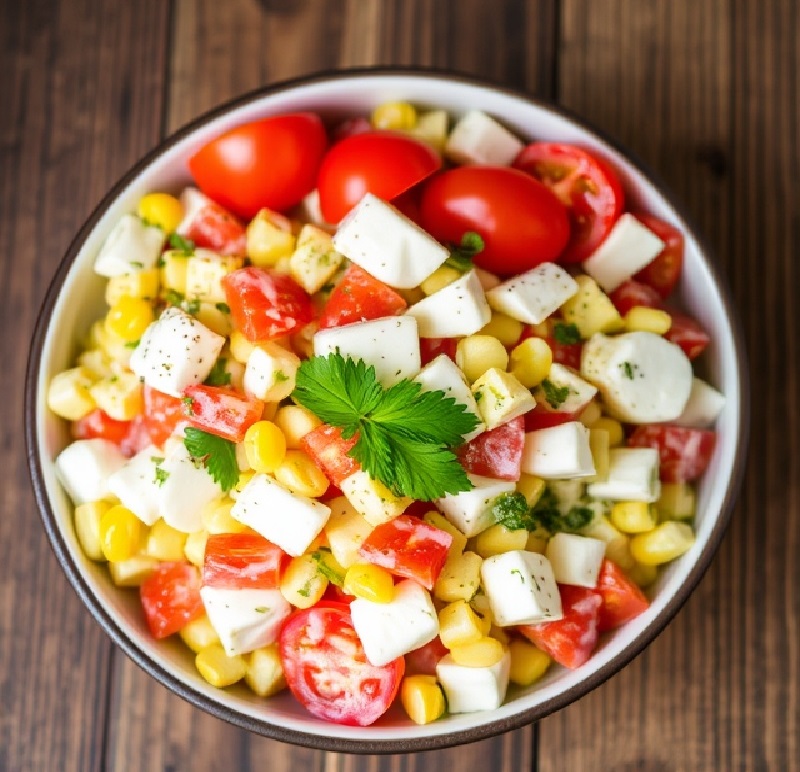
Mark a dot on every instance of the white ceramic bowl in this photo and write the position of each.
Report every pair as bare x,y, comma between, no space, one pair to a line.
75,300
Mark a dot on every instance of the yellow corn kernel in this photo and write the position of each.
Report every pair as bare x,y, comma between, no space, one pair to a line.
504,328
663,544
633,516
97,362
531,487
164,542
115,348
459,624
431,127
174,265
241,347
133,571
369,582
530,361
617,543
141,284
69,393
215,316
677,501
478,353
537,541
642,575
438,520
121,533
218,668
644,319
194,549
614,428
264,446
302,584
264,673
399,116
498,539
484,652
161,209
600,447
87,527
120,396
269,238
483,611
301,475
345,531
422,698
459,578
411,295
439,279
295,422
199,634
528,663
591,413
216,517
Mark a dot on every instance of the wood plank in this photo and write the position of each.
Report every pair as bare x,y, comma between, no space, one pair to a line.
70,126
707,93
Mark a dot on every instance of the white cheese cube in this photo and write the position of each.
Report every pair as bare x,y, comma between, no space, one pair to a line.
387,245
204,273
372,499
632,476
245,620
314,260
479,139
443,374
643,377
131,246
390,630
521,588
532,296
84,466
346,530
284,518
705,403
553,397
390,344
469,689
629,247
575,559
137,484
176,351
501,397
458,309
270,372
558,452
471,511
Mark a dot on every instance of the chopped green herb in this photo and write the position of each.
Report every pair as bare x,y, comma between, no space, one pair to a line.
181,245
519,573
511,510
566,334
218,376
161,476
173,297
223,308
191,306
188,405
321,558
555,395
280,376
131,344
628,369
261,609
216,454
305,590
137,264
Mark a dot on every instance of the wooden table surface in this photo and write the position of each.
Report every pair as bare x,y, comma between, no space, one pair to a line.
704,91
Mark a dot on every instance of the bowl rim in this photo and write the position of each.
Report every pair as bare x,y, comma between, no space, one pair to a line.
319,741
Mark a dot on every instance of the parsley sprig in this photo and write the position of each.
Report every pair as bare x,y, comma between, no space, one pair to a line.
403,433
216,454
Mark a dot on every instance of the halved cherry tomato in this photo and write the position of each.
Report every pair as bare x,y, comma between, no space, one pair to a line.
430,348
272,163
408,547
683,453
585,184
329,451
171,598
496,453
521,222
688,334
211,226
622,599
350,126
384,163
100,425
162,414
359,297
327,671
241,561
663,271
266,305
424,659
633,293
222,411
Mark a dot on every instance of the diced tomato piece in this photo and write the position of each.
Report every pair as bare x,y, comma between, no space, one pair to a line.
171,598
430,348
541,418
334,594
683,453
663,272
266,305
162,414
240,561
329,451
688,334
496,453
570,641
214,227
222,411
137,438
332,492
408,547
418,508
100,425
622,599
424,659
359,297
633,293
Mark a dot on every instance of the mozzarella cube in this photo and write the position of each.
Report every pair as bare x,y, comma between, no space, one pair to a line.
284,518
84,466
137,483
705,403
131,246
629,247
558,452
346,530
390,344
632,476
443,374
390,630
575,559
534,295
458,309
501,397
471,511
245,620
469,689
270,372
176,351
479,139
643,377
314,260
521,588
387,245
204,273
372,499
565,391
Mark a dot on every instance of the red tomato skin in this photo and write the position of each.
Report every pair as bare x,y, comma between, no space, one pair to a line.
270,163
222,411
408,547
683,453
663,272
163,413
137,439
266,305
570,641
214,227
632,293
329,451
430,348
522,223
171,598
585,183
541,418
359,297
240,561
423,660
100,425
622,599
327,671
496,453
384,163
688,334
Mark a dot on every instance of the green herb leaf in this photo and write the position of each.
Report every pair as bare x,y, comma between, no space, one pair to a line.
217,455
131,344
191,305
181,245
218,376
555,395
511,510
566,334
461,256
173,297
628,369
261,609
223,308
321,558
162,475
